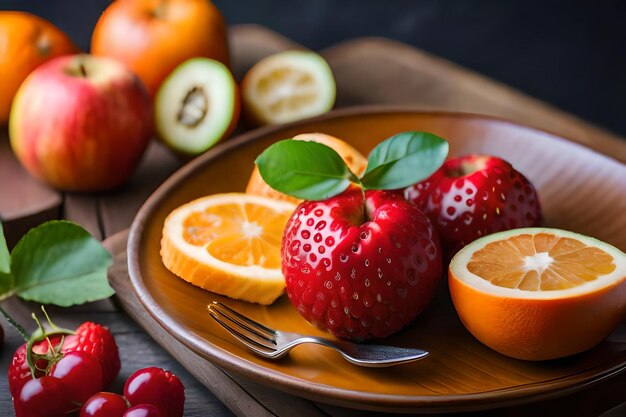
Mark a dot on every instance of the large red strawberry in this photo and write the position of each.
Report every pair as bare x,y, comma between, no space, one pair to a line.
360,268
475,195
357,261
89,337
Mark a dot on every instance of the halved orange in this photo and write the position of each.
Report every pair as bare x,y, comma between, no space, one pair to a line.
353,158
288,86
228,244
539,293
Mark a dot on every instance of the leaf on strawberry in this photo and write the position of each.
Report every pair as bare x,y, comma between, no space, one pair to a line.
60,263
404,159
307,170
6,280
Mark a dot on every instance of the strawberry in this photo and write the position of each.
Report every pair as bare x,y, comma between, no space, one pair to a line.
89,337
360,268
475,195
358,261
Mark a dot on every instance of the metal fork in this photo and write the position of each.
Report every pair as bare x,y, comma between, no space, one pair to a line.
274,344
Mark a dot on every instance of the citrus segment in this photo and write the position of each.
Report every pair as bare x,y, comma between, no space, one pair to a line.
288,86
539,293
541,262
228,244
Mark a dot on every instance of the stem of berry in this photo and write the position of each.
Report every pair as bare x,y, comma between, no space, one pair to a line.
50,322
54,352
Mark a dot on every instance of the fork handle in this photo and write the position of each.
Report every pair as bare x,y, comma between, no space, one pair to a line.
370,355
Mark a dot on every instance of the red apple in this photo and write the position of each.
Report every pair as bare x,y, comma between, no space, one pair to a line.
81,123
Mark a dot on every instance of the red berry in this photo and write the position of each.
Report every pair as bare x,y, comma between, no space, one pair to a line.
104,404
81,374
144,410
19,372
360,269
90,338
475,195
157,387
42,397
99,342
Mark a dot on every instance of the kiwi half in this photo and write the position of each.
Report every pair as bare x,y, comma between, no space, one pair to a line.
196,106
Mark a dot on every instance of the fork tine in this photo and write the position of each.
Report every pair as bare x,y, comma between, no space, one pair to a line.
251,344
271,332
251,333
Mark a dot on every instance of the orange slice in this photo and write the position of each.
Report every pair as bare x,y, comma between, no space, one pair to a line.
353,158
288,86
539,293
228,244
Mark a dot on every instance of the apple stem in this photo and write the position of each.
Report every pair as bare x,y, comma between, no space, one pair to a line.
82,69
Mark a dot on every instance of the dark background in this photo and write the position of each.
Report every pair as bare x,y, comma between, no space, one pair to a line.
569,53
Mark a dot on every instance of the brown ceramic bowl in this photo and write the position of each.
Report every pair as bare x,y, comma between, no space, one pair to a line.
580,190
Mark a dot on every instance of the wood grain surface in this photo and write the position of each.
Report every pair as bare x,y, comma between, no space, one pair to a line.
24,201
368,71
364,70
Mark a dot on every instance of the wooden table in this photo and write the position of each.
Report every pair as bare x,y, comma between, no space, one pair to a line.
367,71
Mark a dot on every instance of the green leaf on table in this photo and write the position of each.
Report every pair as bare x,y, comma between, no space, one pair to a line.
307,170
60,263
404,159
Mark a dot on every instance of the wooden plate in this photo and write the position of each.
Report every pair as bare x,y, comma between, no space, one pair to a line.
580,190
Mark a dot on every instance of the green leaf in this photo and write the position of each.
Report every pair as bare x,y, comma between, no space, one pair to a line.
404,159
6,279
307,170
5,256
60,263
6,285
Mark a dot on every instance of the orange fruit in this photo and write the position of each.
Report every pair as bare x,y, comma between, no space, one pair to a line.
153,37
26,41
228,244
288,86
355,160
539,293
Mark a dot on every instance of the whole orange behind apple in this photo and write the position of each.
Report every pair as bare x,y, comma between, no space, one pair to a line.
81,123
26,41
153,37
